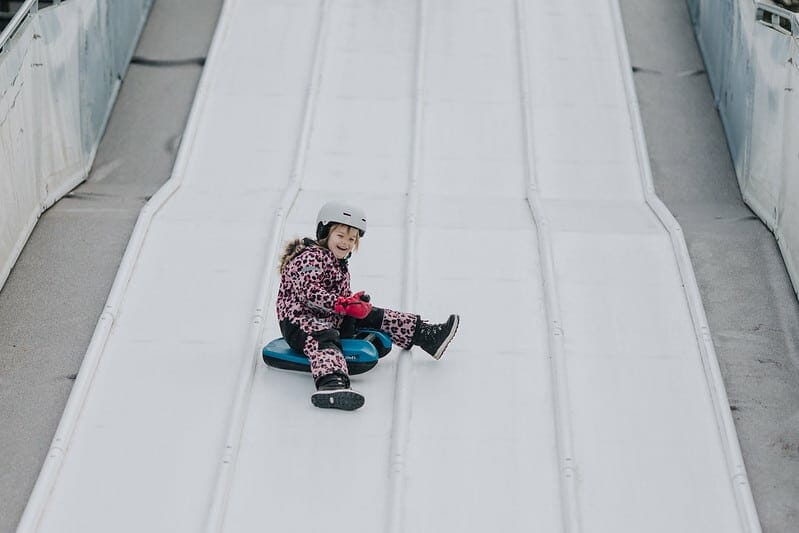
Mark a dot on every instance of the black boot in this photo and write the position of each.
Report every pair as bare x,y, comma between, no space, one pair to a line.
333,392
434,338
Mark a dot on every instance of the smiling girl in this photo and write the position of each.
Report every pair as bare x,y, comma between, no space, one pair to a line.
315,306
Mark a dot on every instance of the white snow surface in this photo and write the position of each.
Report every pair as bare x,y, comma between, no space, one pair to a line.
496,148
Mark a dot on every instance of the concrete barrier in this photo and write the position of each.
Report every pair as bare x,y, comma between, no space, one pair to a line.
751,50
60,71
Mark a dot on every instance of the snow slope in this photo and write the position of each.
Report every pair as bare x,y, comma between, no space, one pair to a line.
496,147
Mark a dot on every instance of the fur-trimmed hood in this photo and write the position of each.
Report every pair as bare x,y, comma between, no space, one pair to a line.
293,249
296,246
311,280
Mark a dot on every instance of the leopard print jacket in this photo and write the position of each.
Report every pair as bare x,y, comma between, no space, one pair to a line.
311,279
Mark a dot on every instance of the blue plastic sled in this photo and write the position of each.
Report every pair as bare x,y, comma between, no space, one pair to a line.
361,352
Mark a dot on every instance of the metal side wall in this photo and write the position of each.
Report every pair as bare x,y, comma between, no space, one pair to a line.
60,71
751,50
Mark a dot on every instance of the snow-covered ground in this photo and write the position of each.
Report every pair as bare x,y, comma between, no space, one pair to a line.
496,148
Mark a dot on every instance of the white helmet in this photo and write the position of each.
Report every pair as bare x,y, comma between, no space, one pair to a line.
339,213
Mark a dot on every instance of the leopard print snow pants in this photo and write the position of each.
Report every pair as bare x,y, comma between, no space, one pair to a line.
320,339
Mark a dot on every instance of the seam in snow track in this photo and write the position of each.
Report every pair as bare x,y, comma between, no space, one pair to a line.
715,382
51,468
267,289
560,390
401,418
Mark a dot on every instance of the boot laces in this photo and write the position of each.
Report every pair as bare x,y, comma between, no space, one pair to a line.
333,382
432,334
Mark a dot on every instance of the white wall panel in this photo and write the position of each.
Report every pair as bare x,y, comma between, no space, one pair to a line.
59,75
750,51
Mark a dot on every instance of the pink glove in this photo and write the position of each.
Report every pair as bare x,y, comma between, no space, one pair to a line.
356,306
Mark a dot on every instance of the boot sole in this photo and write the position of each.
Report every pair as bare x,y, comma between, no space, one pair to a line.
346,400
444,344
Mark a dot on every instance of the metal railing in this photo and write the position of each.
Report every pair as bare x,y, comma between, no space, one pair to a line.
777,18
30,7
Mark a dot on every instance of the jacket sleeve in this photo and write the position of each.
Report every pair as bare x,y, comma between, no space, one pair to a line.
307,281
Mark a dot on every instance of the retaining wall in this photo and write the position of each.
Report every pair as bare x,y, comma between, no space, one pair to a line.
751,51
60,72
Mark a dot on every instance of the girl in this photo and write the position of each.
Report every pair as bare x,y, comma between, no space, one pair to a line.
316,308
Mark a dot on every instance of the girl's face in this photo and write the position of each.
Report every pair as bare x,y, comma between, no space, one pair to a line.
342,240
